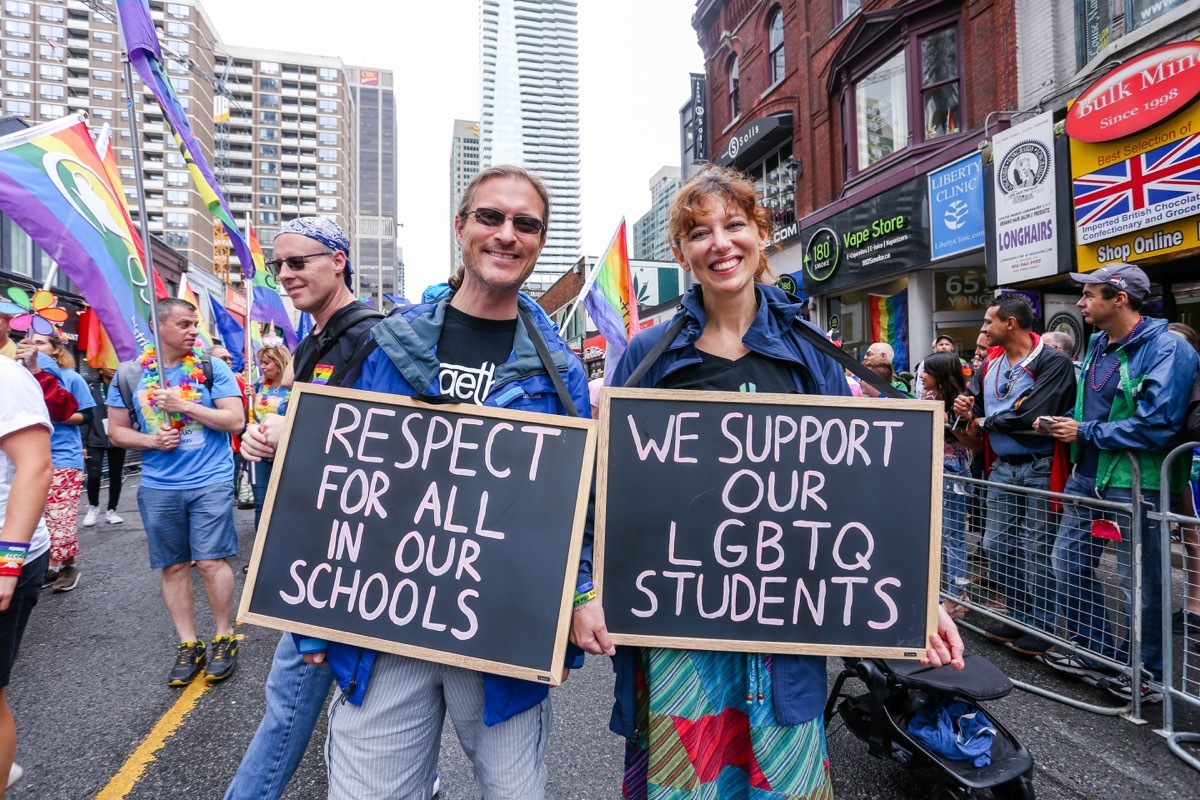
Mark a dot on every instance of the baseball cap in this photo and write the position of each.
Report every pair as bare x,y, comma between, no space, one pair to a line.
1123,277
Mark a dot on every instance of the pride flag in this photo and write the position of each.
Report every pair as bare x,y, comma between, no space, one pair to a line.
233,335
265,303
94,342
55,188
611,301
109,159
186,293
889,323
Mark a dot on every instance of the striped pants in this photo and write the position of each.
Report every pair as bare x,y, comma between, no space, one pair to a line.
388,746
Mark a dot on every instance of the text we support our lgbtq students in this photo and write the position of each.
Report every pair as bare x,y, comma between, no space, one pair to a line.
777,549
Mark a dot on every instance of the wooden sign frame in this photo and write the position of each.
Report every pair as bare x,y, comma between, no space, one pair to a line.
552,673
937,413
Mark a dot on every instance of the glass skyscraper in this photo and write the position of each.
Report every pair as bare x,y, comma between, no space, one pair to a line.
529,97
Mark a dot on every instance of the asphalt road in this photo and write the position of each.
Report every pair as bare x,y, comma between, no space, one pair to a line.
90,686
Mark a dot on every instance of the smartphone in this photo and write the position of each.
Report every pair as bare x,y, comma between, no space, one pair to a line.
1046,422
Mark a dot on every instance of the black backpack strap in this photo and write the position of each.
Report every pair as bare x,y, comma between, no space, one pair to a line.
341,372
839,355
564,397
128,374
655,352
348,320
207,368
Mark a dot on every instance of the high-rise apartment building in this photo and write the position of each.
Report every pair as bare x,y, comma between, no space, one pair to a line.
464,165
303,132
529,57
378,256
650,231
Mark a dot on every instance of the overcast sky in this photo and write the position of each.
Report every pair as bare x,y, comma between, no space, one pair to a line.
634,61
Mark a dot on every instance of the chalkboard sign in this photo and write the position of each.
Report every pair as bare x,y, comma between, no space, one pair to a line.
769,522
449,533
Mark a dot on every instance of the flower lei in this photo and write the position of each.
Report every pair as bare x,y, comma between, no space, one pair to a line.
193,375
266,393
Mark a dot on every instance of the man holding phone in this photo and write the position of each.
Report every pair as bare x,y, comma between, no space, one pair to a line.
1133,397
1020,380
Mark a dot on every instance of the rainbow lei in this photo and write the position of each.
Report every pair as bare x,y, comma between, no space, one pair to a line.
193,375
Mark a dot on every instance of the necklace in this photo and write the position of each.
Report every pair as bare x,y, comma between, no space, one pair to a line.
1012,372
151,380
1116,363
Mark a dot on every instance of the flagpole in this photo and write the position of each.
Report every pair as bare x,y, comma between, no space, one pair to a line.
143,217
249,308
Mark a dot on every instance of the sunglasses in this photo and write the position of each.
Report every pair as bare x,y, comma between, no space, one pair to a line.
295,263
522,223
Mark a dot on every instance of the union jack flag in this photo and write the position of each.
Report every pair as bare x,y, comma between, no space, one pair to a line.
1141,182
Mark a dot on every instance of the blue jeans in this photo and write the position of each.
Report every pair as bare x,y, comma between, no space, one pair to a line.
1076,557
296,694
1018,543
261,472
954,526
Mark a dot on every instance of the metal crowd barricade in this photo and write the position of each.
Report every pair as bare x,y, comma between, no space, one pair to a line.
1187,687
1019,587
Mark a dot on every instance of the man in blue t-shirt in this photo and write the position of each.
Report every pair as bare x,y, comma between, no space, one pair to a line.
186,495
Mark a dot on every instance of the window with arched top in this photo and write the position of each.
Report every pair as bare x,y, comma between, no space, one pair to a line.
775,58
734,82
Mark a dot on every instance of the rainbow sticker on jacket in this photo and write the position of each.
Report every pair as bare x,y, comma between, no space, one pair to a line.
321,374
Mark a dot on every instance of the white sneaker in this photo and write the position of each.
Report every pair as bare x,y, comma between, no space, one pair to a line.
437,782
112,517
14,774
92,513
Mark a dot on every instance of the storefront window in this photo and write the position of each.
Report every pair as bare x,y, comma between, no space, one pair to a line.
939,83
773,179
881,112
911,98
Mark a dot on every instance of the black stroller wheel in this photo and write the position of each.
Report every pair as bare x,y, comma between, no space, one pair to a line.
952,791
1017,789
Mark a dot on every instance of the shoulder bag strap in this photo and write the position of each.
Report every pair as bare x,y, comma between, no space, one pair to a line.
655,352
839,355
344,324
564,397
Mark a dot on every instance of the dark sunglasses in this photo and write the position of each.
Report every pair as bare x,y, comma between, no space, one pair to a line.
522,223
296,263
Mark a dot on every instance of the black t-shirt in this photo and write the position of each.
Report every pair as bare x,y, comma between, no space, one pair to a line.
752,372
320,370
470,349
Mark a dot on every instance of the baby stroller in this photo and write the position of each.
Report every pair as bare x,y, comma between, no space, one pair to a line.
897,691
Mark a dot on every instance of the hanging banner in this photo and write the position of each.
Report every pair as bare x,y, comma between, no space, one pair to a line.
1026,240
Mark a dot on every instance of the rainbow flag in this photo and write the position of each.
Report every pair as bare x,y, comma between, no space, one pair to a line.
265,303
889,323
55,188
94,341
109,159
186,293
610,299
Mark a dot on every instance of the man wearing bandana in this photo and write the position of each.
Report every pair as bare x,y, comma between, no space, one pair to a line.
312,260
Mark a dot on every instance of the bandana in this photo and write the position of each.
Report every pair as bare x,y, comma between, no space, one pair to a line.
325,231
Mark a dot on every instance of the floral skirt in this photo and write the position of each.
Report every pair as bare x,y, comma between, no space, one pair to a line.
62,513
707,730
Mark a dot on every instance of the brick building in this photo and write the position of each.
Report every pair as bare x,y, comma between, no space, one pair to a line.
845,113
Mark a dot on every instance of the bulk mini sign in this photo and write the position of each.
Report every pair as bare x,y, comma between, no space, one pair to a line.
1137,94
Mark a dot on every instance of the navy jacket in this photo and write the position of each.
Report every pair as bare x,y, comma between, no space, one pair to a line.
799,681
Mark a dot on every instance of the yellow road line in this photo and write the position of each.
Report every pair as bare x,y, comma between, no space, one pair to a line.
131,771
